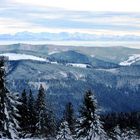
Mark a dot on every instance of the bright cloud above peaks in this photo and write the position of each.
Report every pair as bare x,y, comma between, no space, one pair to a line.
101,17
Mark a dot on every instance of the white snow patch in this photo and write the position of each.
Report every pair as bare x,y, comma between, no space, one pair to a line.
64,74
79,77
39,72
113,70
53,52
132,59
18,56
53,62
92,55
77,65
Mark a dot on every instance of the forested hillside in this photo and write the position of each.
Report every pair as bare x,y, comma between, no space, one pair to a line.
26,116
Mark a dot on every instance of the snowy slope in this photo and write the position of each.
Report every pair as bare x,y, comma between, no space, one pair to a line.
115,88
16,56
131,60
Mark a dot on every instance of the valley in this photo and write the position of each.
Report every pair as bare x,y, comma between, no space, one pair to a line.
67,72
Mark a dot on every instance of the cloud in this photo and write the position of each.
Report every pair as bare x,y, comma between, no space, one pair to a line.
44,15
88,5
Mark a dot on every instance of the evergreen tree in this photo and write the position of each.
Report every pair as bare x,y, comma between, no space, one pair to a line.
51,124
24,113
70,117
41,112
117,133
32,114
129,134
90,126
64,132
8,108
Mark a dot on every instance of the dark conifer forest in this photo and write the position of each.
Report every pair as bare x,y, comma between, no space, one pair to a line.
24,115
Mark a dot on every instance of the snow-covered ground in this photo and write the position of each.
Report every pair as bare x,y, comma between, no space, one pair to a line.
77,65
132,59
80,65
17,56
92,55
113,70
64,74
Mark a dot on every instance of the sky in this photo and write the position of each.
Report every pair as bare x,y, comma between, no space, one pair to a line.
101,17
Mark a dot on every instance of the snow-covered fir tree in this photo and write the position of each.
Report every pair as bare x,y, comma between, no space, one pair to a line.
90,126
124,134
41,114
128,134
51,124
117,133
64,132
32,114
8,108
70,117
23,111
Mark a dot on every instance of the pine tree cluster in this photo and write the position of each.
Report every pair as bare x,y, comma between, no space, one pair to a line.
36,118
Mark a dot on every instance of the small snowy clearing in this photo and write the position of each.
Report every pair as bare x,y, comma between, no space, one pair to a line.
77,65
18,56
92,55
132,59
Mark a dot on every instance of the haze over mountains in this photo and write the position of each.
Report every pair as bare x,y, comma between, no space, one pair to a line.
63,36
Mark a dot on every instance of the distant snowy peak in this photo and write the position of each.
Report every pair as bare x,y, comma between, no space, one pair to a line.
17,56
65,36
132,59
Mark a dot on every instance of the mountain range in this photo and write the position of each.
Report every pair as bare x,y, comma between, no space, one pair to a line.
65,36
66,72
